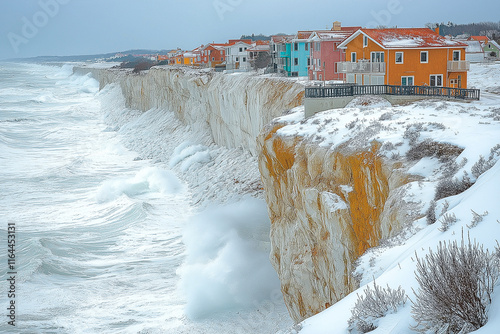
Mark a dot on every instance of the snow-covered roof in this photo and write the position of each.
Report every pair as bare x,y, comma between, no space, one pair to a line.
403,38
473,47
281,39
259,48
337,36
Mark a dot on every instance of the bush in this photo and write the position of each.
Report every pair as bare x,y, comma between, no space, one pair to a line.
428,148
430,214
373,305
447,220
456,283
452,186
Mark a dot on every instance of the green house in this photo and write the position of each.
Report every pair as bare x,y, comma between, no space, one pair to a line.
491,49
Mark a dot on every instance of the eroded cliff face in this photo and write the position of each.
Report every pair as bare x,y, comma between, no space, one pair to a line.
326,208
234,107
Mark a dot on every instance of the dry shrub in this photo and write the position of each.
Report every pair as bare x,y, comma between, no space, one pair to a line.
373,305
456,284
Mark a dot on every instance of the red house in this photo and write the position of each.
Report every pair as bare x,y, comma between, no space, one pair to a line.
325,53
213,54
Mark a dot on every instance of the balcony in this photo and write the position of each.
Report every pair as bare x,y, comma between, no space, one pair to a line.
362,66
458,66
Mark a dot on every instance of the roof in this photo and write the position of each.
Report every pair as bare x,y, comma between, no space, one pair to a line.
473,46
282,38
217,46
303,34
329,35
479,38
260,48
406,38
234,41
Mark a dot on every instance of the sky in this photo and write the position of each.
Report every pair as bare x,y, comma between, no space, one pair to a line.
74,27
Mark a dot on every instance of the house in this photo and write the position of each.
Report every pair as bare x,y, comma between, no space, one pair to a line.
413,56
281,48
325,53
259,54
213,54
474,51
237,55
492,50
299,54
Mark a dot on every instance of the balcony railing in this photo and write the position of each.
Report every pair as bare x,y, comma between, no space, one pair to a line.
355,90
458,66
362,66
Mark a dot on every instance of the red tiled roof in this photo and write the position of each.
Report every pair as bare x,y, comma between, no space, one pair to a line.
234,41
410,38
479,38
304,34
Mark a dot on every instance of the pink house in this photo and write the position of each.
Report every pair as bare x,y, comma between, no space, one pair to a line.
325,53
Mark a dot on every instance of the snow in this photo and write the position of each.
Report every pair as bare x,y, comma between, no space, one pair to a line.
403,42
473,126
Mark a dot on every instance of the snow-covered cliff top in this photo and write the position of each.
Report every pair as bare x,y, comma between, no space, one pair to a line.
440,140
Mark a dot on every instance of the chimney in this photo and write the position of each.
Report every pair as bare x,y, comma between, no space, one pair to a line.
337,26
437,29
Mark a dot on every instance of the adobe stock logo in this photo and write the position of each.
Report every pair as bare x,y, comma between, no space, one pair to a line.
31,28
223,6
384,17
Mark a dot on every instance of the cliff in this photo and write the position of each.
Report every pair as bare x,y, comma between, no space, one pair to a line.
234,107
327,206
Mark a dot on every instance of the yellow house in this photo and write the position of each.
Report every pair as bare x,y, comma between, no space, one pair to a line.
409,57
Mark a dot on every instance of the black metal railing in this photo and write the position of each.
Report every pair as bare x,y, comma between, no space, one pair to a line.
354,90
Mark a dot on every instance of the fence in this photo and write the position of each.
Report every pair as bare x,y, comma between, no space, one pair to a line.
354,90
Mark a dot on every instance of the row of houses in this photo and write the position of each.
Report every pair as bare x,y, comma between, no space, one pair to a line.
236,54
395,56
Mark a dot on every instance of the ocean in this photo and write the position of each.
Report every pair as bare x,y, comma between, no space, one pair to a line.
111,223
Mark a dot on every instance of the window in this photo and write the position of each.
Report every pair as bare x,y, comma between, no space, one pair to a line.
244,59
308,61
353,57
377,57
407,81
424,56
436,80
295,61
307,46
399,57
237,58
456,55
296,46
241,49
213,58
365,41
317,46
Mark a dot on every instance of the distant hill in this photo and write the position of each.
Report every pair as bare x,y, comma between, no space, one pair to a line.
254,37
89,58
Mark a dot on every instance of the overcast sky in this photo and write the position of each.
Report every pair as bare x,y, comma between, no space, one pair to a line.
74,27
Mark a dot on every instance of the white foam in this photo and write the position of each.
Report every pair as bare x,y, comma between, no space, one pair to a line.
227,259
149,179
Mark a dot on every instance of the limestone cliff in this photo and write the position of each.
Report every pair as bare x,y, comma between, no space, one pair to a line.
233,108
327,206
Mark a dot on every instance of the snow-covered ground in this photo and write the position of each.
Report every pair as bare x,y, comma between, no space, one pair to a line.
471,126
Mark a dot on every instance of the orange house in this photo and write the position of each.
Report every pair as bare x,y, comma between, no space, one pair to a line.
409,57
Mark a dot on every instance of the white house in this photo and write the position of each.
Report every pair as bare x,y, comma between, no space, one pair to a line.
237,55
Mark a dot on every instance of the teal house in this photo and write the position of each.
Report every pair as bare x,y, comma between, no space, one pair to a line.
300,54
281,53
